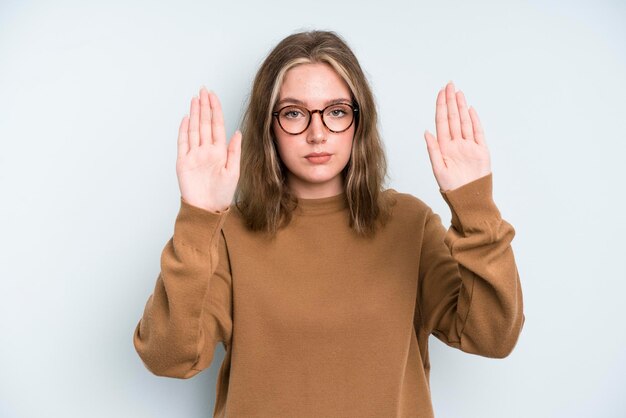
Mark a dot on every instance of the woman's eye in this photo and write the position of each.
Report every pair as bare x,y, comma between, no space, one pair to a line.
337,112
292,113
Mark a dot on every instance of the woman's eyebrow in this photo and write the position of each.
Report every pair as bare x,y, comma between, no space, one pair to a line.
301,103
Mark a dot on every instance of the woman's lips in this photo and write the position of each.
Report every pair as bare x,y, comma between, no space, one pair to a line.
318,157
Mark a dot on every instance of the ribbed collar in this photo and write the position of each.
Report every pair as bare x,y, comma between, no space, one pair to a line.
323,205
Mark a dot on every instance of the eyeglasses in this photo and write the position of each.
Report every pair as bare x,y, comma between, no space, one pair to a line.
336,117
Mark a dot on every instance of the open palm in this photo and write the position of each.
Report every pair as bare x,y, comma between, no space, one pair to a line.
459,153
208,170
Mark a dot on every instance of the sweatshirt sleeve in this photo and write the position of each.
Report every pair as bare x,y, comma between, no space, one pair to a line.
190,310
470,294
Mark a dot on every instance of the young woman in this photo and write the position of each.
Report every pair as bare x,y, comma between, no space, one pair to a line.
322,285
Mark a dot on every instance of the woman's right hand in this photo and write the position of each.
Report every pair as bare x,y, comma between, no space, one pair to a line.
207,171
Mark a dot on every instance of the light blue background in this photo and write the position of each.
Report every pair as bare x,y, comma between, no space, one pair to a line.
91,96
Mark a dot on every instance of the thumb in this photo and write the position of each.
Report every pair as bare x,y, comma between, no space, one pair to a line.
434,152
234,152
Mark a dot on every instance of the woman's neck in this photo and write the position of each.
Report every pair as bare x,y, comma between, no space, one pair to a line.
305,190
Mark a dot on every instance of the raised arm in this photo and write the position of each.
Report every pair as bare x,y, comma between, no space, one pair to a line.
190,308
470,295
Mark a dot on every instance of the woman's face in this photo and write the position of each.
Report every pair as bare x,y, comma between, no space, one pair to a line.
314,86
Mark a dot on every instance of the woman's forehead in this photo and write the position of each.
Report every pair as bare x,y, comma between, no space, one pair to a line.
313,84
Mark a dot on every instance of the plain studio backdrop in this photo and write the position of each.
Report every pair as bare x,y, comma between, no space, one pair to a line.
91,97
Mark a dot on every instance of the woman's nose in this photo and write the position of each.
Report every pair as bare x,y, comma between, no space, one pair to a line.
317,131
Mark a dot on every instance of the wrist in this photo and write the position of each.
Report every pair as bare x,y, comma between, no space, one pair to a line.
207,207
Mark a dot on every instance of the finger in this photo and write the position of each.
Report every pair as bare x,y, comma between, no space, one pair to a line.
466,122
183,137
453,112
441,118
205,117
217,120
479,134
194,122
234,153
434,152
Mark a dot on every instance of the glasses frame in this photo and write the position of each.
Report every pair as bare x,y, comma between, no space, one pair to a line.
354,107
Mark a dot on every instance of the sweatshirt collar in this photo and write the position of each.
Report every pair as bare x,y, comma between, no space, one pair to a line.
322,205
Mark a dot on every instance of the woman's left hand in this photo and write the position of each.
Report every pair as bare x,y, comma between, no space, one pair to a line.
459,153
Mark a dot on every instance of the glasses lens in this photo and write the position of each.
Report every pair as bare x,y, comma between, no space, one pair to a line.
293,119
338,117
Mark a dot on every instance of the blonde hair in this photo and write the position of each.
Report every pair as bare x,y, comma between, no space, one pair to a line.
262,194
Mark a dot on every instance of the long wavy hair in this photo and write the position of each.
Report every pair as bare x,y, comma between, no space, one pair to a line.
263,196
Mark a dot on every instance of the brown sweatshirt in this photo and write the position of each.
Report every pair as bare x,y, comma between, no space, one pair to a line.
319,322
